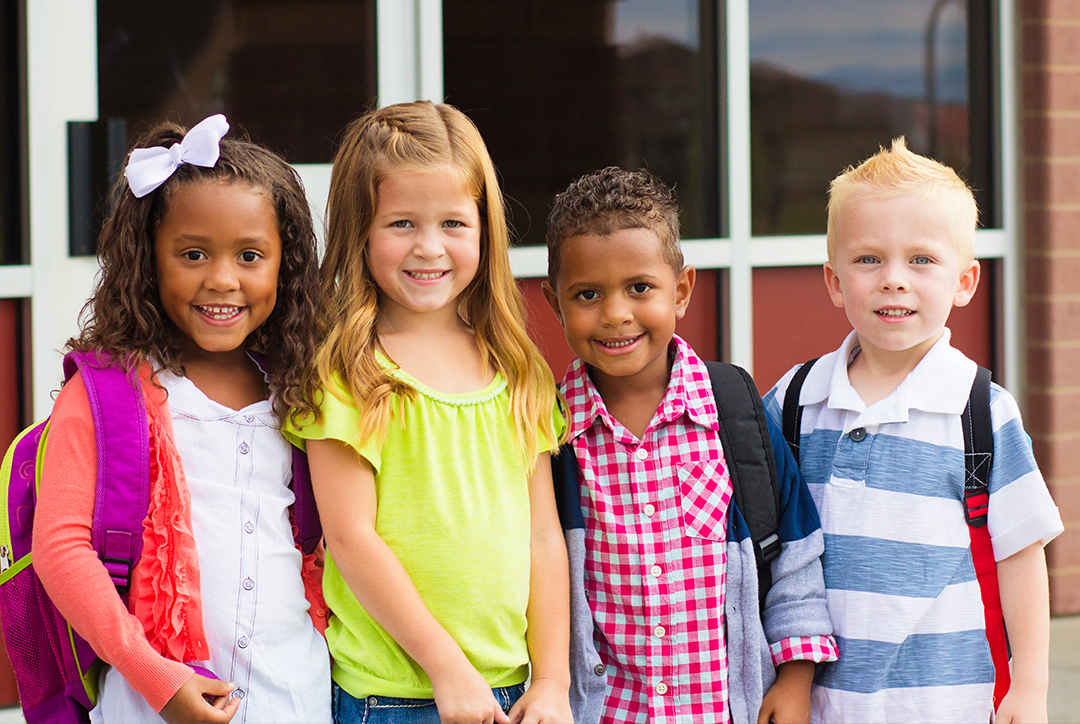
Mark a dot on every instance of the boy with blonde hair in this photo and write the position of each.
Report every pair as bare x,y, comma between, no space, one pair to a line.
883,451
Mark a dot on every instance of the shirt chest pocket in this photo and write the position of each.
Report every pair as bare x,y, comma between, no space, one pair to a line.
705,492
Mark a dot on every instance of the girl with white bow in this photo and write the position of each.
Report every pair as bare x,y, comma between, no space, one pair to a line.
207,294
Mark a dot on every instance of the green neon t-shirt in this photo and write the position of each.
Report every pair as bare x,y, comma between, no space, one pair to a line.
453,506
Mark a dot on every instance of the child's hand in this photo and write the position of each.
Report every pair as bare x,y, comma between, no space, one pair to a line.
1022,706
463,697
546,701
201,700
788,701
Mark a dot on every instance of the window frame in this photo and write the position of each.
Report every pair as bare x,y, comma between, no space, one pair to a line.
740,252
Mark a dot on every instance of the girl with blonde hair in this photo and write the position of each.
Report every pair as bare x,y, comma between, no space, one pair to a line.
446,569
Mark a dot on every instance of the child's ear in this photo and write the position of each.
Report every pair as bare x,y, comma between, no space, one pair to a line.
552,298
969,282
832,281
684,288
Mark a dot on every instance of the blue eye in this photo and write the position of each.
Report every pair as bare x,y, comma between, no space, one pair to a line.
453,224
922,260
866,260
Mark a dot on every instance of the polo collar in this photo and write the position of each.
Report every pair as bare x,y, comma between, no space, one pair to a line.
940,383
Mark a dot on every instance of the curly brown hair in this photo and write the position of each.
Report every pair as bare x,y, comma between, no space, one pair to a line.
614,199
125,317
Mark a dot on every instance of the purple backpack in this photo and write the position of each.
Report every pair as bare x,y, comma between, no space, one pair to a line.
56,671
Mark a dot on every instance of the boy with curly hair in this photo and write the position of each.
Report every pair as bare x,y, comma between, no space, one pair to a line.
666,625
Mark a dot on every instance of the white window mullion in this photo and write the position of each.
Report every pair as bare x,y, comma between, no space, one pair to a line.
1012,264
740,307
409,50
61,79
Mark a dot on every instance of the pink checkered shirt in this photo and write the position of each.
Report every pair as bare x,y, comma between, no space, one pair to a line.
656,526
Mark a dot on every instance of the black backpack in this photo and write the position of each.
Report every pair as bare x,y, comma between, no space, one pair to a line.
744,435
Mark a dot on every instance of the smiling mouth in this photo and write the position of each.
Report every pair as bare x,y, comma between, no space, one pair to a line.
426,276
894,312
618,343
220,314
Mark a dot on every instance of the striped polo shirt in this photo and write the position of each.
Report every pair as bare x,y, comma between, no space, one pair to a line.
901,587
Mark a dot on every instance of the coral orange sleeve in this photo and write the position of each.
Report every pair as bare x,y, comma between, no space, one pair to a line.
69,568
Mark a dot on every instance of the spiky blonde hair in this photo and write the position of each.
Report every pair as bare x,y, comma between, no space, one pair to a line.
898,171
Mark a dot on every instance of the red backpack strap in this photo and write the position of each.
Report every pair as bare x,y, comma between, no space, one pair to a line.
978,461
123,461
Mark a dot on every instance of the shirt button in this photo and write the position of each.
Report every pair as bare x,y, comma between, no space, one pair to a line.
659,631
243,642
641,453
248,584
661,688
599,669
238,694
858,434
249,418
656,571
249,527
320,612
650,509
244,448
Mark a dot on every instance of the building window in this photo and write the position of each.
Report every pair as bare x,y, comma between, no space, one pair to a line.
291,73
559,88
12,198
830,82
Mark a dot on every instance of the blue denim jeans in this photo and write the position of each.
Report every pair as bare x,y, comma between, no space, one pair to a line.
348,709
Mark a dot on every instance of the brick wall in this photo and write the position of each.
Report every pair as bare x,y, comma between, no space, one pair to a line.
1050,113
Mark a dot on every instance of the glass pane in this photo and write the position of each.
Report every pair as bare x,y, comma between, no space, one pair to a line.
832,80
292,73
562,87
11,196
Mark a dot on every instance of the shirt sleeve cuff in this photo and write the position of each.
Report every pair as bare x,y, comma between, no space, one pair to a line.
818,649
152,675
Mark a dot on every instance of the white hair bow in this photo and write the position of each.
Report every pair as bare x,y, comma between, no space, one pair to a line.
148,168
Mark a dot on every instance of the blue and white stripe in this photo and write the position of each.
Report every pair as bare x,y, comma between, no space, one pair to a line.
900,583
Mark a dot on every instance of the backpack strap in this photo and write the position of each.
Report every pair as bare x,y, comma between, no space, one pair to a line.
978,462
564,474
793,410
305,514
123,461
744,435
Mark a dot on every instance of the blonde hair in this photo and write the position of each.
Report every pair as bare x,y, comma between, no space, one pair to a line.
898,172
407,137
